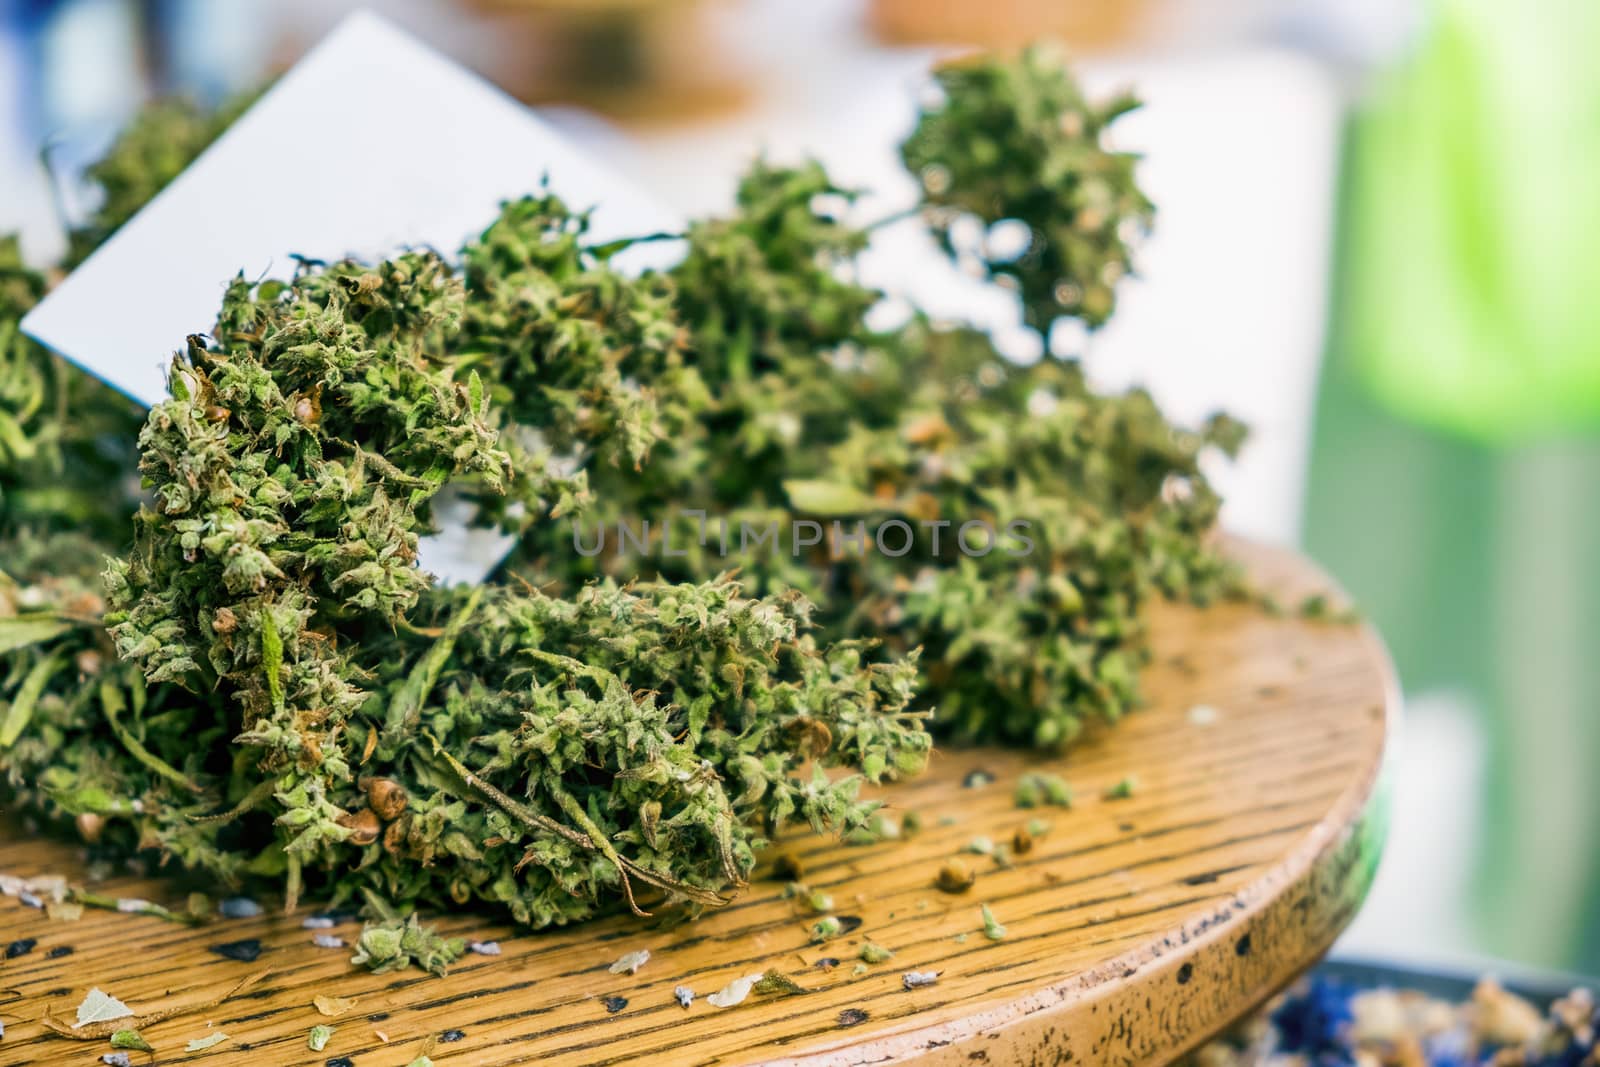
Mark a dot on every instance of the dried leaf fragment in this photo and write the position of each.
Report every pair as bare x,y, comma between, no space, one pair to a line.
734,992
631,962
99,1006
332,1007
105,1027
200,1044
777,984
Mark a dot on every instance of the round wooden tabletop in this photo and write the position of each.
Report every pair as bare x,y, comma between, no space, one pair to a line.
1135,926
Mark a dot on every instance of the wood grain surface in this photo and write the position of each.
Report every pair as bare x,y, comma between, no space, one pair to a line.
1135,927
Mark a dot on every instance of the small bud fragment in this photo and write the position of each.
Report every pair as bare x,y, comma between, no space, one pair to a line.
386,797
395,835
90,826
788,867
955,877
364,826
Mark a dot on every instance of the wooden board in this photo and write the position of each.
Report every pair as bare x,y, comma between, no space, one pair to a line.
1136,927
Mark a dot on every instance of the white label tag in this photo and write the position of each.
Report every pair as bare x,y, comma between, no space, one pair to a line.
369,145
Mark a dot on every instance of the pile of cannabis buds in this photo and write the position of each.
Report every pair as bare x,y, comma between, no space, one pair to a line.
218,650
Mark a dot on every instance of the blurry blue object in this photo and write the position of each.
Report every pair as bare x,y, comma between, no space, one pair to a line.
1313,1022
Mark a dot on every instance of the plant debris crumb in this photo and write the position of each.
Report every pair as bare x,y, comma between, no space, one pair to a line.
1202,715
955,877
199,1044
991,926
239,908
129,1038
683,995
734,992
977,779
615,1004
245,951
1123,789
631,962
1035,789
332,1007
872,952
788,867
981,846
317,1040
853,1017
917,979
824,928
776,984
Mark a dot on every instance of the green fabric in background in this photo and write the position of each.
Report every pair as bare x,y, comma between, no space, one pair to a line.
1455,477
1474,282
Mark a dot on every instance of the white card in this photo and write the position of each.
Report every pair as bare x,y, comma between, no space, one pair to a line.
370,144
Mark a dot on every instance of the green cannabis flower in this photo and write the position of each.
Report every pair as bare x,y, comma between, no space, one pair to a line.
278,692
292,469
557,751
396,943
544,755
1018,142
787,407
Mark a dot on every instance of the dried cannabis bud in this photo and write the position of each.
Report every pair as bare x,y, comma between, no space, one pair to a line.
277,691
1009,521
1017,142
544,755
394,944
